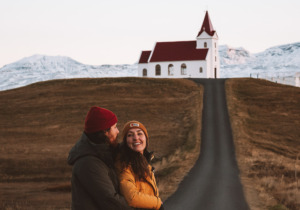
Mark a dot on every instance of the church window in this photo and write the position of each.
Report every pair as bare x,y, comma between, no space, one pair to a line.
201,70
183,69
144,72
205,44
170,70
157,70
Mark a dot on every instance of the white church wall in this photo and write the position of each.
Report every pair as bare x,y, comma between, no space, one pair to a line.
142,66
216,56
206,41
204,37
213,64
209,67
192,69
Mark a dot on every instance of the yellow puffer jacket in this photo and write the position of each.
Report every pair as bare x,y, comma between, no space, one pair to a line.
138,194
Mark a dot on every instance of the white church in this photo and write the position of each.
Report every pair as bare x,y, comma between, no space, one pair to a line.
184,59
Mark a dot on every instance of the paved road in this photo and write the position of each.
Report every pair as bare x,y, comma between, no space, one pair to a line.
213,183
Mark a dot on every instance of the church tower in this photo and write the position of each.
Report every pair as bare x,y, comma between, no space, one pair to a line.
208,38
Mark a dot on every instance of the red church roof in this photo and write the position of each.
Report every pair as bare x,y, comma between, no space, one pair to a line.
177,51
144,57
181,50
207,26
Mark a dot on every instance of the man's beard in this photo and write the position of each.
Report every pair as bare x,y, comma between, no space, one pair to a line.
113,143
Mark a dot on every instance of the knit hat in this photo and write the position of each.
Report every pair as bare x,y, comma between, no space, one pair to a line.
134,124
99,119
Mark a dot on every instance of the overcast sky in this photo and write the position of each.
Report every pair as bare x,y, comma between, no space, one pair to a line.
116,31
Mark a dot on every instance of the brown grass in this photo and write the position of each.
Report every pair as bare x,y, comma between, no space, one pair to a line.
39,124
265,120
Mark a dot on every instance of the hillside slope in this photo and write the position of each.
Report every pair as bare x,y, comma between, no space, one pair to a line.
265,120
40,123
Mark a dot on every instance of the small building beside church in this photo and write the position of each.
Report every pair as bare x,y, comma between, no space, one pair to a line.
183,59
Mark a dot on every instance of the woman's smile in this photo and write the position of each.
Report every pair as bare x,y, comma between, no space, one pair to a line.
136,140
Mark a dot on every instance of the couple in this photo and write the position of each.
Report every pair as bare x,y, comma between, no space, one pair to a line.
107,175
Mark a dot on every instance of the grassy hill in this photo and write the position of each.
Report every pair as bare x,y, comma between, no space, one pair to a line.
265,119
40,123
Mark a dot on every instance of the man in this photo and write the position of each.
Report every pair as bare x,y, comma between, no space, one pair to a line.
94,181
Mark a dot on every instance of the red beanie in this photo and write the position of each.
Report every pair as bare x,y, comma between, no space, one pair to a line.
99,119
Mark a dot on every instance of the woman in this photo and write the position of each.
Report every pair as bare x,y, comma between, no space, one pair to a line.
137,181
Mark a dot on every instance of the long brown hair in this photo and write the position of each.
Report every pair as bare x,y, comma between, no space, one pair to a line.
138,162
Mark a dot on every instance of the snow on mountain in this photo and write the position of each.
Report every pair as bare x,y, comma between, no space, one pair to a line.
230,56
282,59
41,68
277,61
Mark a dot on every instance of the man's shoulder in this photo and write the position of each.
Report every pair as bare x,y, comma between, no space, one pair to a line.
90,161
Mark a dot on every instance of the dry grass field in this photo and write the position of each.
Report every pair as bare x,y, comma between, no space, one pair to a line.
265,120
40,123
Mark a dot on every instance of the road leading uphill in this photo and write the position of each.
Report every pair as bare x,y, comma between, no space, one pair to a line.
213,183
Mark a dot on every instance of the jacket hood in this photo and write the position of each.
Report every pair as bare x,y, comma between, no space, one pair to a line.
84,147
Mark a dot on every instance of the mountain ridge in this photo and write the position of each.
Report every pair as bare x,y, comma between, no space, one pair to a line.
282,60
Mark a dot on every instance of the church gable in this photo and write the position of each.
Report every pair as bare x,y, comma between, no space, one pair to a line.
144,56
205,35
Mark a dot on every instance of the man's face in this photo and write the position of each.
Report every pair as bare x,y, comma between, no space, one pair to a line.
112,135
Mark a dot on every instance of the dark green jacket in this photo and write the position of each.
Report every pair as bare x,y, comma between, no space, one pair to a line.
94,181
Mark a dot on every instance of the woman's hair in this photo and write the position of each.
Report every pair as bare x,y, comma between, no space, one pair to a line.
138,162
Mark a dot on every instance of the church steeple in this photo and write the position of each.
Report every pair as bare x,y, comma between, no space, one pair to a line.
207,26
207,38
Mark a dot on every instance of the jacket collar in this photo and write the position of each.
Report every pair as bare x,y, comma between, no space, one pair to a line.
85,147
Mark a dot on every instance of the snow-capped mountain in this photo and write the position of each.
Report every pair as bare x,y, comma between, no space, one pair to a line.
233,56
282,61
41,68
277,61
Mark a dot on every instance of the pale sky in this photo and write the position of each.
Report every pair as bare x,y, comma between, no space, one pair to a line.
100,32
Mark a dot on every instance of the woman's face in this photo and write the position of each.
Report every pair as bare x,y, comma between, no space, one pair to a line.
136,140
